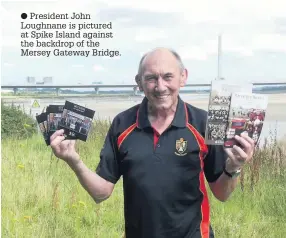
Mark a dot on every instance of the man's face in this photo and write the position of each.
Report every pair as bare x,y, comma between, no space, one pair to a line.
161,79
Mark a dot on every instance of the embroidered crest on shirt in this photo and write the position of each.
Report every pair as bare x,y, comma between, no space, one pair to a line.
181,147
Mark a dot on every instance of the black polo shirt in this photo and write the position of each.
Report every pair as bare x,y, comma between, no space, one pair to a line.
163,176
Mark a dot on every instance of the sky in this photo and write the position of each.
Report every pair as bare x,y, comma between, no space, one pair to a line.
253,37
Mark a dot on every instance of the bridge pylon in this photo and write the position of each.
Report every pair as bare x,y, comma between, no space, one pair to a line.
96,89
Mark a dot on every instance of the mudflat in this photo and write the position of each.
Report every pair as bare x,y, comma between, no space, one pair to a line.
109,109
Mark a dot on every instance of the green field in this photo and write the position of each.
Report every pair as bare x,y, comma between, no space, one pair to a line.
41,196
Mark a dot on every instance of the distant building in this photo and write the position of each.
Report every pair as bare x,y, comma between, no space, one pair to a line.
48,80
45,80
31,80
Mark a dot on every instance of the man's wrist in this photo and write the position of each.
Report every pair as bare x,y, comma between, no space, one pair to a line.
76,165
231,173
230,167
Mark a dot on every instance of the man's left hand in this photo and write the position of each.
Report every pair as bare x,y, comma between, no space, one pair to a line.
239,155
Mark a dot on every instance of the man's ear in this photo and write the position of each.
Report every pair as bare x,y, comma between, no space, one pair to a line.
138,81
184,77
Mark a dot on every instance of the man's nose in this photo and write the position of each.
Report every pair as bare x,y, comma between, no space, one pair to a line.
160,84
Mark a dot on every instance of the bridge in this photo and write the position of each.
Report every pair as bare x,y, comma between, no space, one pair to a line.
97,86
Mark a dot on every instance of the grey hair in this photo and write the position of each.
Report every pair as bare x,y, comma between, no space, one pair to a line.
175,54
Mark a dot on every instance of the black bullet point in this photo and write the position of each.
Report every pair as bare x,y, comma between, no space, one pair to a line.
24,15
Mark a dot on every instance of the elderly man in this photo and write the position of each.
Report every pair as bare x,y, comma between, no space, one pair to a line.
158,149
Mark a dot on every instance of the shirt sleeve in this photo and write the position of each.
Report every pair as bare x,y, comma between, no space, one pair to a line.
214,162
108,167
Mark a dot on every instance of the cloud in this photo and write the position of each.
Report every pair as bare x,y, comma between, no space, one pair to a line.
258,42
163,23
250,29
150,34
242,22
269,42
77,65
136,17
149,5
8,65
98,68
280,25
237,44
206,9
192,53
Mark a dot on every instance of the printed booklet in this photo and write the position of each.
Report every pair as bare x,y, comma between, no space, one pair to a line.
218,109
54,113
43,125
76,120
247,113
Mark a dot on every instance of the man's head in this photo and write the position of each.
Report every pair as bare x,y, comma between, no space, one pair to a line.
160,75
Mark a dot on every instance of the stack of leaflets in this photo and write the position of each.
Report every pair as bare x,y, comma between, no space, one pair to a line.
234,109
76,121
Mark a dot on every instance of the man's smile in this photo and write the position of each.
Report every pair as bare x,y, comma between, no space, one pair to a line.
162,97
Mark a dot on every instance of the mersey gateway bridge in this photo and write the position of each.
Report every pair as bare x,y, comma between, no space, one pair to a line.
96,87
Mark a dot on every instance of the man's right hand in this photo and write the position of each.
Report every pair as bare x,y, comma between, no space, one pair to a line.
99,188
64,149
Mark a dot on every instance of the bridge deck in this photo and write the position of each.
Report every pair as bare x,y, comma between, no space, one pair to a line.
115,85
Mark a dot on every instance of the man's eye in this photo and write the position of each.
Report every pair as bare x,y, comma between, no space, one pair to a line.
150,78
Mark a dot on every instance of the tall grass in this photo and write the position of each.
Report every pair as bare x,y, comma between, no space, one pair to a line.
41,196
257,207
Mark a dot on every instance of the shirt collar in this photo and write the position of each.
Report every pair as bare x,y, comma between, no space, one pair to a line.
180,119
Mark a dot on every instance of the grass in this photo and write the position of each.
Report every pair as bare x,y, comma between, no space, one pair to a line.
41,196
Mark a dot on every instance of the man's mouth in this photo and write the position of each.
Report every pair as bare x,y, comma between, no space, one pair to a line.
162,97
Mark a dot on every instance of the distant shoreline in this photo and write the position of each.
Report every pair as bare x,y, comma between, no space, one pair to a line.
25,95
69,96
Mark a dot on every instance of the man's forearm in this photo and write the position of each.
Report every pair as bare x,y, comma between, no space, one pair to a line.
92,183
223,187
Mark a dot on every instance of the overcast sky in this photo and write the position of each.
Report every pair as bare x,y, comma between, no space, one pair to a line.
253,39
